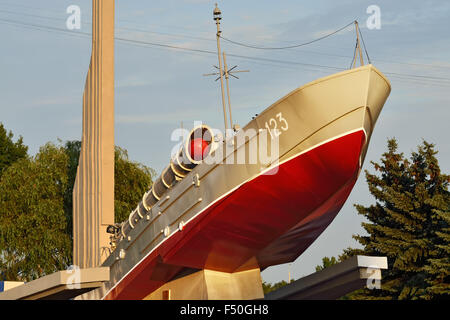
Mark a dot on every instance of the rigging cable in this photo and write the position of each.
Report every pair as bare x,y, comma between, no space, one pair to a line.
434,66
364,45
288,47
145,43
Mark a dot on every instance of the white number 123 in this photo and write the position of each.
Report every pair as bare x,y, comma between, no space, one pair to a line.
272,125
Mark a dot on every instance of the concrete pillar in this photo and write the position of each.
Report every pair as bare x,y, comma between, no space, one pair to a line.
93,194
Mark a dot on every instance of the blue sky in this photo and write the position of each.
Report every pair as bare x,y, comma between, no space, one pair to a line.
42,76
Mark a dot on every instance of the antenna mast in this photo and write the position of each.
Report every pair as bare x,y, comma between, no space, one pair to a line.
358,47
224,71
217,17
228,73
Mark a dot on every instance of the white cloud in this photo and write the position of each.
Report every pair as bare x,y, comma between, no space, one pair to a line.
54,101
187,115
132,82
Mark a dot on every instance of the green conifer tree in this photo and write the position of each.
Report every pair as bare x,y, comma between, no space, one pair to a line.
437,202
326,262
408,224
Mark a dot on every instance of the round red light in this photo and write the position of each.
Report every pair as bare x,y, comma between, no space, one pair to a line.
199,149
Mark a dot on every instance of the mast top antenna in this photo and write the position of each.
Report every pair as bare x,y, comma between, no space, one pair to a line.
217,14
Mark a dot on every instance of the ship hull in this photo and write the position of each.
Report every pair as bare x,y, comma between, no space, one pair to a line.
232,217
307,192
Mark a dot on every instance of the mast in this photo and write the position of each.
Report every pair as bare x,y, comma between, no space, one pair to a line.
228,88
217,17
224,71
358,46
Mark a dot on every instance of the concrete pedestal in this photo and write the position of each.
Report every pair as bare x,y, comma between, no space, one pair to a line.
212,285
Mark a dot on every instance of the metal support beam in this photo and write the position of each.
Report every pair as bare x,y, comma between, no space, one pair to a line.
335,281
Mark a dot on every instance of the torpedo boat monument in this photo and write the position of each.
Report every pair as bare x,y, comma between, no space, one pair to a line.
226,206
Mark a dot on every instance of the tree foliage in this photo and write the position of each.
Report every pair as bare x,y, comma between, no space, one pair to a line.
132,181
326,262
269,287
10,151
72,150
409,223
36,207
33,226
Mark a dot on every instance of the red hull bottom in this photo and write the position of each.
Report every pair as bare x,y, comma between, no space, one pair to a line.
272,217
